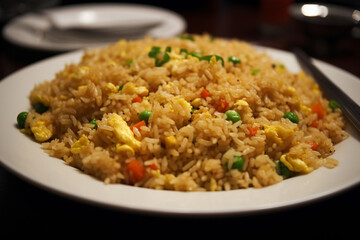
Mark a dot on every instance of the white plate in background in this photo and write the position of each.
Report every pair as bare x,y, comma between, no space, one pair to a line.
100,20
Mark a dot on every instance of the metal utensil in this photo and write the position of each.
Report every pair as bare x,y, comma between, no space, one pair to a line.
347,105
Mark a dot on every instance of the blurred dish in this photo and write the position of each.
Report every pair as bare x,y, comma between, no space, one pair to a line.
25,157
325,19
78,26
325,25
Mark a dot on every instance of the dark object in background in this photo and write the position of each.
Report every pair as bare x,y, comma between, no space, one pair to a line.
275,18
324,26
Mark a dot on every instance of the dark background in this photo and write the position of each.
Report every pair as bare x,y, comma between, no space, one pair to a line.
27,209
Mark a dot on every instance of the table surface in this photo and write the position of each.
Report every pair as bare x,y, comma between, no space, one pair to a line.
24,206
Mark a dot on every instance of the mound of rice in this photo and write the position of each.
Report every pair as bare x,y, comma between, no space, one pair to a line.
186,141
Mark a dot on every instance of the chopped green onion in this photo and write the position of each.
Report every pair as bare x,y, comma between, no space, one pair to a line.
165,59
193,109
128,63
281,169
160,57
333,104
208,57
94,123
292,117
121,87
234,60
187,37
255,71
154,52
194,54
183,50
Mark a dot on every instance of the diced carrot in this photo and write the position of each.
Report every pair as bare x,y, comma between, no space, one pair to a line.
205,93
222,105
138,125
153,166
314,146
137,99
252,130
314,123
136,171
319,110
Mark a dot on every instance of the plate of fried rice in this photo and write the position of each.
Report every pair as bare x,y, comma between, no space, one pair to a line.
191,124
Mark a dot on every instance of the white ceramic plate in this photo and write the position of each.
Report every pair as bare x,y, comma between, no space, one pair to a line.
123,20
25,157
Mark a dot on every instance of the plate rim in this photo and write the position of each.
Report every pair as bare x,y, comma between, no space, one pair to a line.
168,211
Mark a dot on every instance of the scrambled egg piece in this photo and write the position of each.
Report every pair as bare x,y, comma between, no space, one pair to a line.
189,57
79,145
122,131
80,72
295,164
170,141
183,103
126,149
278,133
196,102
111,88
290,90
112,63
213,184
82,87
174,64
168,181
305,108
213,60
41,132
129,88
241,104
316,89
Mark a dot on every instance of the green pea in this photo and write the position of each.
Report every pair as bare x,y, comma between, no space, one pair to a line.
292,117
94,123
281,169
40,107
21,119
144,115
233,116
239,164
333,104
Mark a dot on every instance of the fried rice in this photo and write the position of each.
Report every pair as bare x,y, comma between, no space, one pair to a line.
189,113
